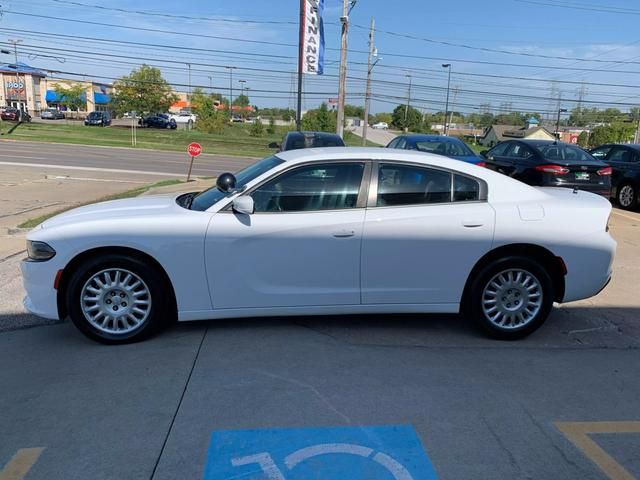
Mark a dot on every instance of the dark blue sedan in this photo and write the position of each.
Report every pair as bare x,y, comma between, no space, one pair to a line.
448,146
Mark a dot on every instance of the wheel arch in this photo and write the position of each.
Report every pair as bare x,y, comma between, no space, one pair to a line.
553,264
76,261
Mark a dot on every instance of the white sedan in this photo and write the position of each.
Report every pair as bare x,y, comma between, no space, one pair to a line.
324,231
380,126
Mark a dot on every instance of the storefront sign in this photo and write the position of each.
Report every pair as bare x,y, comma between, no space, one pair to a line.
15,89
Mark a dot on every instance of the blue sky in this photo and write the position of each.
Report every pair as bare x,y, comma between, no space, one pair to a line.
523,28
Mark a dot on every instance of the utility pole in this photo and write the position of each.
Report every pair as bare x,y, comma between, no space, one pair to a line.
446,108
210,84
24,81
230,92
190,92
367,98
406,109
344,19
560,110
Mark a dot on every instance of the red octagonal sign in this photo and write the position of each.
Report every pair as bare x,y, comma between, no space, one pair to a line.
194,149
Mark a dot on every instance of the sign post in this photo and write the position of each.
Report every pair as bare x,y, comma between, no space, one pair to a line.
194,149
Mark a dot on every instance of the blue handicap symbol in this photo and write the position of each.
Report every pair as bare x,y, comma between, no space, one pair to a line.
353,453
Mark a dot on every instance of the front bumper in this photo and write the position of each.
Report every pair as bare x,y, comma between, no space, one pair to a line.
38,279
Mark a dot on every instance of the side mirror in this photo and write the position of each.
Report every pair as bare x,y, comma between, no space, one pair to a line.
274,145
483,153
243,205
226,182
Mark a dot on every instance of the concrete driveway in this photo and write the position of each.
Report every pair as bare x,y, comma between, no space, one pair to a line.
562,404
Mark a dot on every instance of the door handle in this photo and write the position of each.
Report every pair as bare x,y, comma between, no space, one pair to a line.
344,233
472,223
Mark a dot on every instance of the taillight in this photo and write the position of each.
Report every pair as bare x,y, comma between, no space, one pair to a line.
553,169
605,172
481,164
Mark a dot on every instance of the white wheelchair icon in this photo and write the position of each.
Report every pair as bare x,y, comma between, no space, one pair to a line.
273,472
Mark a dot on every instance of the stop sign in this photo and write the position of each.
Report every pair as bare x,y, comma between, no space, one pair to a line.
194,149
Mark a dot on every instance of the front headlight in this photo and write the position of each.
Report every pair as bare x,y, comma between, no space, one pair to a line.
39,251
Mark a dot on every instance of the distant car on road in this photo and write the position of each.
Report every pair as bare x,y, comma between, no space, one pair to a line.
184,118
439,144
324,231
548,163
130,115
15,115
52,114
237,119
625,179
160,120
297,140
380,126
101,119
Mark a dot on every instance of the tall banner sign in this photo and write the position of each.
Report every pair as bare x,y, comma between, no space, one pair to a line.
15,89
312,37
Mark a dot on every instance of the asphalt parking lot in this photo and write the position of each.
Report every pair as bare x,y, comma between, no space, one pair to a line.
429,393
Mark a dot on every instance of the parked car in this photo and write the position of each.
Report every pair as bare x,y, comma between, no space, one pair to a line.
237,119
296,140
14,115
439,144
184,118
130,115
374,231
548,163
52,114
380,126
102,119
625,178
159,120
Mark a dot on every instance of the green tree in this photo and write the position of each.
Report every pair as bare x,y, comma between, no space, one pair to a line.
241,101
144,90
210,120
74,97
320,120
407,118
353,111
616,132
381,117
271,127
583,139
257,128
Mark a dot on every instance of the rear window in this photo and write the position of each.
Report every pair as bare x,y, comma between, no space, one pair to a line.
314,141
447,148
565,153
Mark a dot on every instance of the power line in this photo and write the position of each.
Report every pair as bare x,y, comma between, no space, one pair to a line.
581,6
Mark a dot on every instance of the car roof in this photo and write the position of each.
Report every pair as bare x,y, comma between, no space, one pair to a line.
540,143
430,138
633,146
312,134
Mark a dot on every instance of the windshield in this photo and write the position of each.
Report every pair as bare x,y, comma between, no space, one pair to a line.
94,115
444,147
565,153
205,199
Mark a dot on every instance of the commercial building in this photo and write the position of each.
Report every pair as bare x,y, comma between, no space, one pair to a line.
532,130
27,88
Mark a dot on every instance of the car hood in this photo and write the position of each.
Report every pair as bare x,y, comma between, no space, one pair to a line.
130,207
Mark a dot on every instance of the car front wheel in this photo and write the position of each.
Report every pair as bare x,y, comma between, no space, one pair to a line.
510,298
117,299
627,196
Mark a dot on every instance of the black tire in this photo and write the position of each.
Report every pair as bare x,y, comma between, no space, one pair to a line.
473,304
630,199
159,304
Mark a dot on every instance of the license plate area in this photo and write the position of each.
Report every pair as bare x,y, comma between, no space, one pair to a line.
583,176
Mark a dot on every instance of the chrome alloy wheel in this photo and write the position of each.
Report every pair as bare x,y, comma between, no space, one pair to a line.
625,197
115,301
512,299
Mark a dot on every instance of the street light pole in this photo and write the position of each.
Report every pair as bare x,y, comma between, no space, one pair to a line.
367,98
406,109
190,92
230,92
15,53
560,110
446,108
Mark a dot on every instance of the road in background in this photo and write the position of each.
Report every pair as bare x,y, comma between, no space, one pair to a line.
381,137
115,158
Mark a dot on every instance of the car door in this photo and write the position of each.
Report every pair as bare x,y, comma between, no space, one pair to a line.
497,157
424,230
521,162
300,248
621,160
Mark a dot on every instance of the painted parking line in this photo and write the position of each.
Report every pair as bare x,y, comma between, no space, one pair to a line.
372,453
20,464
578,433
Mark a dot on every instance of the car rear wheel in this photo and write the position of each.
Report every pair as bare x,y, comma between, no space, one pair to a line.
510,298
627,196
117,299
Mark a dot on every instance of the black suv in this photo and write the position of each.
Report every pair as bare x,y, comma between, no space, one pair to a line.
625,181
297,140
546,163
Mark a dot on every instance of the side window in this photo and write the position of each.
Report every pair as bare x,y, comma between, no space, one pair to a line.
316,187
519,151
394,143
621,155
408,185
465,189
402,142
601,153
499,150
